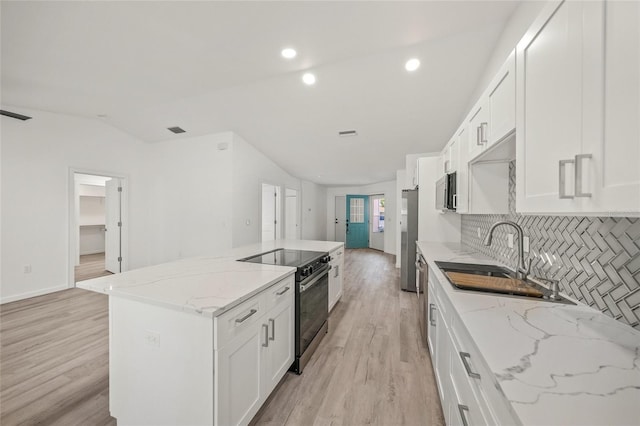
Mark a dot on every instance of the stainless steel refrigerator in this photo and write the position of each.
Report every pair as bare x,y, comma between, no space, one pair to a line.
409,235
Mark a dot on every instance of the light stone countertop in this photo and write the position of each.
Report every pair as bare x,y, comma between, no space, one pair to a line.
556,364
205,285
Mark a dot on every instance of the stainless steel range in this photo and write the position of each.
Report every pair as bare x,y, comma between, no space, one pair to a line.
312,296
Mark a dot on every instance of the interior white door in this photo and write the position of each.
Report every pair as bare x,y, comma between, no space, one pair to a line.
340,217
271,212
113,222
291,214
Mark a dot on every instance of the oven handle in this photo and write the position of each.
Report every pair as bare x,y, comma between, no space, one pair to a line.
314,279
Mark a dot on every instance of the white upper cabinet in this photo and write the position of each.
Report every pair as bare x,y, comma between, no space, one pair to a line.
493,116
577,110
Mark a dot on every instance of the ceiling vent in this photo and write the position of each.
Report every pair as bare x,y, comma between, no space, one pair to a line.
14,115
347,133
176,129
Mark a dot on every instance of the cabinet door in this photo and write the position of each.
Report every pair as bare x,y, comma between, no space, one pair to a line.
431,324
613,172
238,377
454,155
502,102
478,129
462,178
278,355
557,94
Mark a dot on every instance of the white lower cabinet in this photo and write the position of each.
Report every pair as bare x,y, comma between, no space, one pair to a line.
254,349
336,276
466,386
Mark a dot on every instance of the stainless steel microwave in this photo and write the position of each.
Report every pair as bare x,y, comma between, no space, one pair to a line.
446,197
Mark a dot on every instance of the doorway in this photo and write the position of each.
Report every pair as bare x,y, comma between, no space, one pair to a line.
291,214
376,230
357,222
97,224
270,212
341,216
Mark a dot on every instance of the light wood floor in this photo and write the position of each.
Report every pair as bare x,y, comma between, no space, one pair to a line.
372,367
54,360
91,266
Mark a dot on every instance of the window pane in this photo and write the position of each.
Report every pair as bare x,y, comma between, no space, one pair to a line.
377,224
356,210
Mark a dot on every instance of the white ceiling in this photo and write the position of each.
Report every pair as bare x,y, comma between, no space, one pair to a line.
216,66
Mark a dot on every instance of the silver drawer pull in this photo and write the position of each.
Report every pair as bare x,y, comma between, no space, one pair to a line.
272,323
432,320
562,179
463,416
463,357
283,291
478,137
578,162
265,327
244,318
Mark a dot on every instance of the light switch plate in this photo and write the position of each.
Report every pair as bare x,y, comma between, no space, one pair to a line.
510,240
525,244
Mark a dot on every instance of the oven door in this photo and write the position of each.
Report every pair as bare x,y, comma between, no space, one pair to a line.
313,305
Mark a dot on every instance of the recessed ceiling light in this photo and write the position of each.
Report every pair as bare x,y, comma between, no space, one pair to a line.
412,64
309,79
289,53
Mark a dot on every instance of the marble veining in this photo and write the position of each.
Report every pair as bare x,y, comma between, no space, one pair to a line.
206,285
555,364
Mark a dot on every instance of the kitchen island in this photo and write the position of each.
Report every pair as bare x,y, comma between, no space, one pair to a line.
202,340
511,360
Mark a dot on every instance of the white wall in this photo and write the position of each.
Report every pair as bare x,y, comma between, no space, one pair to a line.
36,158
401,179
190,197
387,188
519,22
314,211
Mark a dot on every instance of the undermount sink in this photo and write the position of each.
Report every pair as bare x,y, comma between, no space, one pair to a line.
507,284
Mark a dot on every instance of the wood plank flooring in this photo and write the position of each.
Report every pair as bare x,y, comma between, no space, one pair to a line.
91,266
372,367
54,360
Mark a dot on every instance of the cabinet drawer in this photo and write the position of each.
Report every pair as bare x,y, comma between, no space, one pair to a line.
238,319
280,292
465,403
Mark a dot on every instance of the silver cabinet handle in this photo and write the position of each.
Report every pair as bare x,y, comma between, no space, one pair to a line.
463,357
272,323
244,318
431,319
463,416
478,135
283,291
483,136
562,178
265,327
578,163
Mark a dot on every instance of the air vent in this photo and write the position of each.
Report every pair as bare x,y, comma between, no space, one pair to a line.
176,129
347,133
14,115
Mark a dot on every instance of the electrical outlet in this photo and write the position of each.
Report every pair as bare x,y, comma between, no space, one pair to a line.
525,244
152,338
510,240
27,269
479,233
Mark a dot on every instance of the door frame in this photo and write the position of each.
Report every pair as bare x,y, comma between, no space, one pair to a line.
73,230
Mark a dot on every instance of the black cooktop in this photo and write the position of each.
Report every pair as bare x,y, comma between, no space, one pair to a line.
284,257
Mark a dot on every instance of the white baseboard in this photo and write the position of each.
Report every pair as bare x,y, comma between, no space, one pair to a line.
29,294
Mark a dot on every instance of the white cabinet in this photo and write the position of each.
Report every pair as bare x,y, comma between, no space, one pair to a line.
254,349
492,119
578,145
336,276
462,174
466,385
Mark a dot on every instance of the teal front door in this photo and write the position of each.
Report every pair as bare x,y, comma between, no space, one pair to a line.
357,221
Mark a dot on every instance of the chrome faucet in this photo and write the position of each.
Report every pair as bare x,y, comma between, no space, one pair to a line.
522,271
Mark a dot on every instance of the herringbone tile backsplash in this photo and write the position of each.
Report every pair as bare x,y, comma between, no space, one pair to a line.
596,259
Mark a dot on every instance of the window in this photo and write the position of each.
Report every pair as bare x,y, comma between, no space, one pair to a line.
356,210
378,215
